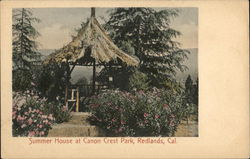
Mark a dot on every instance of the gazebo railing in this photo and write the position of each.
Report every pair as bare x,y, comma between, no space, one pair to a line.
76,92
87,89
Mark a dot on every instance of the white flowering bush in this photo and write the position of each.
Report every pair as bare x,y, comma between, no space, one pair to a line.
28,117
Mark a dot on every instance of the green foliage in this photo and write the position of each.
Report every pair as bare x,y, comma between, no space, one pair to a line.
138,81
153,113
148,32
196,91
59,111
21,80
51,80
173,86
33,116
120,76
190,91
191,98
25,54
29,117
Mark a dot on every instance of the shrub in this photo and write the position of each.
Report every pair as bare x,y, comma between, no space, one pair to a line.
59,111
153,113
28,117
21,80
138,81
33,116
51,80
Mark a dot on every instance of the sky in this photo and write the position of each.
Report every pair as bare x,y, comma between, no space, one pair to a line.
58,24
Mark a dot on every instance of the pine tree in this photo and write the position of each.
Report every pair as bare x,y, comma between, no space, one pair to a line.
149,33
25,54
196,92
189,90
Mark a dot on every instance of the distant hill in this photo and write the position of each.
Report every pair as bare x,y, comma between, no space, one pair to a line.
46,52
191,63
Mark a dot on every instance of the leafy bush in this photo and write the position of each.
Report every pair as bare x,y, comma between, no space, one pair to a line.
138,81
33,116
28,118
59,111
21,80
153,113
173,85
51,81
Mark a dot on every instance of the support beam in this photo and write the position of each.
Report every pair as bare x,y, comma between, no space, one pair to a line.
77,99
94,77
66,96
92,12
72,68
67,83
79,64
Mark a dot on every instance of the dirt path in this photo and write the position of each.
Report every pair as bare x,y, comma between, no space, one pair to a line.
187,130
78,126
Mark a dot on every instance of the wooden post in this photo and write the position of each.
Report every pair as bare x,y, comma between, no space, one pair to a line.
94,74
110,75
77,99
92,12
66,96
67,84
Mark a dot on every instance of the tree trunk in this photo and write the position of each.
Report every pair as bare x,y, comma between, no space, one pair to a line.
21,42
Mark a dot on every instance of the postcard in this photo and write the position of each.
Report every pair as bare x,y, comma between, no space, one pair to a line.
124,79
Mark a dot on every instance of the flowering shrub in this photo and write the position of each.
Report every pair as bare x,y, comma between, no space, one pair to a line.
33,116
152,113
59,111
28,117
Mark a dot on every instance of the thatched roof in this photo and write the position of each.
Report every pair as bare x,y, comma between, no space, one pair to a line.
91,42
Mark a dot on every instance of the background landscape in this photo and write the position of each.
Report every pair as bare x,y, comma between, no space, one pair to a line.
191,63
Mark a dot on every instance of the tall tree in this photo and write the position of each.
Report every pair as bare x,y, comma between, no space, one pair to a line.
189,90
196,92
25,54
149,33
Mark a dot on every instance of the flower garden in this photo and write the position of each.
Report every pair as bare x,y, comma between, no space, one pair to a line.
155,112
33,116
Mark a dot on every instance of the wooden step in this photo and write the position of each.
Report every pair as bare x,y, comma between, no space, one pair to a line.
79,118
77,126
72,130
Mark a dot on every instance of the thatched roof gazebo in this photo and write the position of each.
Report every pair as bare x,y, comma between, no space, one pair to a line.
91,47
